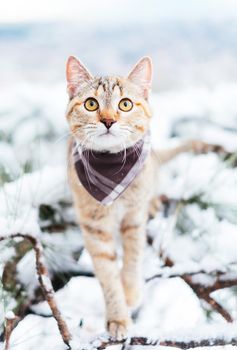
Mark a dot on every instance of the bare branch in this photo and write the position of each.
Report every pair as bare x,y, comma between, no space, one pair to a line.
10,321
218,308
45,283
172,343
220,280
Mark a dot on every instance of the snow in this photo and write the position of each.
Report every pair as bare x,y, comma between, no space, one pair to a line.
47,283
216,105
26,273
10,315
36,332
26,224
33,156
20,199
47,186
81,300
170,308
85,295
226,332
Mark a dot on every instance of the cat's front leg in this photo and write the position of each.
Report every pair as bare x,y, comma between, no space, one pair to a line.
133,238
100,244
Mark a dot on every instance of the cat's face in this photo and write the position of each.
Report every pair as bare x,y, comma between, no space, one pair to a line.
108,113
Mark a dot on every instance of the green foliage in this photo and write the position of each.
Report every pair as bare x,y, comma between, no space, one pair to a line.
47,212
5,176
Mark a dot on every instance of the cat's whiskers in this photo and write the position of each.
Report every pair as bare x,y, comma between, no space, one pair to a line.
60,138
124,150
138,152
85,151
86,164
84,141
88,127
70,159
127,128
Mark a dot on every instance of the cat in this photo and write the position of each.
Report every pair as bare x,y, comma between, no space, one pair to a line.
113,177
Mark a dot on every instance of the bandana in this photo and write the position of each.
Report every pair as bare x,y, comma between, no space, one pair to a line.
107,175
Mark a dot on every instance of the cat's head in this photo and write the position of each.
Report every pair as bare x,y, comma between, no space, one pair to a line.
108,113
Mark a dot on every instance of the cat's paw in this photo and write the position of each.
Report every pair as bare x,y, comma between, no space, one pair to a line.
118,328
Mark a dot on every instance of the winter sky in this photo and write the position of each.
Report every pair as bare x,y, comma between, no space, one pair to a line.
119,11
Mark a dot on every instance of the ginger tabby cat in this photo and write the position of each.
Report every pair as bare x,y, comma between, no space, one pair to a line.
113,177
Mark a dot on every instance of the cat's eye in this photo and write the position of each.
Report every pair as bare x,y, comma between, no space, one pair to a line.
91,104
125,105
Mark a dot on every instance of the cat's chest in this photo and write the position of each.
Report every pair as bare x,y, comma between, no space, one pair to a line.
120,209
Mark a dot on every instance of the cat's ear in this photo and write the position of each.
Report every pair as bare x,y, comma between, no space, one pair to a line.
76,74
141,75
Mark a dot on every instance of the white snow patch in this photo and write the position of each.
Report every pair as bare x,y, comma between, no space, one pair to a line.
10,315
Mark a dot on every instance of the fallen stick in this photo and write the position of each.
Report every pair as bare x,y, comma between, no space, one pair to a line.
181,344
45,283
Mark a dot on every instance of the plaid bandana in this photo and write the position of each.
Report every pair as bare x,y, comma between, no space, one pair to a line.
106,175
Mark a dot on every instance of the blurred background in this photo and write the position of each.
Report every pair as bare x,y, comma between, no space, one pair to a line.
192,44
194,51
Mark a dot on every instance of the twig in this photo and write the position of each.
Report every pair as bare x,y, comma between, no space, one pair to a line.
172,343
220,280
203,292
218,307
183,275
10,321
45,283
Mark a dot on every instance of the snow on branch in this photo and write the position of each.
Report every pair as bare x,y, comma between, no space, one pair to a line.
217,279
181,344
201,336
45,284
198,282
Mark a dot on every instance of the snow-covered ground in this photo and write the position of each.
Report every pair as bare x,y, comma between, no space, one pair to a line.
33,174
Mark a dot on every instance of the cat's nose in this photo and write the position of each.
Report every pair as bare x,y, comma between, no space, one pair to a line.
108,122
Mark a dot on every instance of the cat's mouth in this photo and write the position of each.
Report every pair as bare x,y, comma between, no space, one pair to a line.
108,140
108,133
